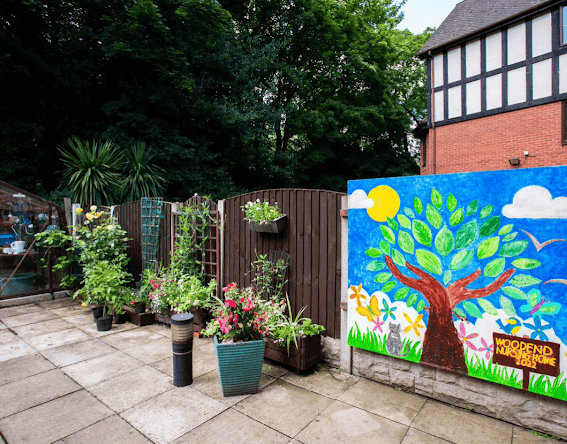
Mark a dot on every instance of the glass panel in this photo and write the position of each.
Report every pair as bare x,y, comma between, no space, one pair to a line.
564,23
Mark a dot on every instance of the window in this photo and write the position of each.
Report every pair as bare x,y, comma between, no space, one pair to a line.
424,150
564,25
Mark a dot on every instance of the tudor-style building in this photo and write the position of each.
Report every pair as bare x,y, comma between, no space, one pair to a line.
497,87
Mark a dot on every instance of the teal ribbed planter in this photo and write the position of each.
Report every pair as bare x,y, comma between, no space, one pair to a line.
240,366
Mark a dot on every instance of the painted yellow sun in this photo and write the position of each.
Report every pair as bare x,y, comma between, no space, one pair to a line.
386,203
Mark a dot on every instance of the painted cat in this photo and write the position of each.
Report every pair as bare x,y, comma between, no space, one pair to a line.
394,343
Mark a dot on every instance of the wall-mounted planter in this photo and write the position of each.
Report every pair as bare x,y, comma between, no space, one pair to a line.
276,226
304,356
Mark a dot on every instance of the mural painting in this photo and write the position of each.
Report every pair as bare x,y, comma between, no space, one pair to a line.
464,272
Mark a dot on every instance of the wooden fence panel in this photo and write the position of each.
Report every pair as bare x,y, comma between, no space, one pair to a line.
312,237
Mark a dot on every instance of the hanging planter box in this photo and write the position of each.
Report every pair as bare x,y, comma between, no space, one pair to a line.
307,353
276,226
139,319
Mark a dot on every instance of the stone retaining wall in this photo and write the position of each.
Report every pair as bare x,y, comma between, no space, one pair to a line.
528,410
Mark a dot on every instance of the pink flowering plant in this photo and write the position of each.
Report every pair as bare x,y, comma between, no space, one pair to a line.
242,316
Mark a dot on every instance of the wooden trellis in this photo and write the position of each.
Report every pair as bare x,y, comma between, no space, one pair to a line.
152,213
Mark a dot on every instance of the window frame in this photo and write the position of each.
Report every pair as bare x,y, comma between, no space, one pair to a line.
563,37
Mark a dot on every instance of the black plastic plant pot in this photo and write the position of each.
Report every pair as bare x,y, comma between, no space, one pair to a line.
119,318
140,307
182,341
97,313
104,323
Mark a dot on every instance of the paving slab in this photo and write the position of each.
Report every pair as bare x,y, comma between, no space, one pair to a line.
70,310
204,362
29,318
55,419
243,430
58,303
418,437
90,328
129,389
284,407
77,352
20,368
152,351
162,329
41,328
57,339
209,384
385,401
101,368
325,381
170,415
274,370
8,336
342,423
14,349
459,426
80,318
523,436
2,326
131,338
204,342
34,390
112,430
18,310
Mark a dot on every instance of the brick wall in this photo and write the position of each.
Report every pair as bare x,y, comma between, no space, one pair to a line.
487,143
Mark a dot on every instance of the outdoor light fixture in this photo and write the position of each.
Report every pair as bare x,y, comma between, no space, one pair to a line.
514,161
182,340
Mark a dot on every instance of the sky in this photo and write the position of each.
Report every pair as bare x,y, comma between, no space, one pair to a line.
420,14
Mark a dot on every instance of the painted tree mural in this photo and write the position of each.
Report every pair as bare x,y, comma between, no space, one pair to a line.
454,255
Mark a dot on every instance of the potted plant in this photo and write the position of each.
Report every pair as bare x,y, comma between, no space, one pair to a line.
239,326
117,304
263,217
198,298
294,341
103,282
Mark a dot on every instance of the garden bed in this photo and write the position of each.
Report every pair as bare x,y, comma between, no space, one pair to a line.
139,319
307,353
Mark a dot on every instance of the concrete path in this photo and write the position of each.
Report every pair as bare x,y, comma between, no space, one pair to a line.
63,382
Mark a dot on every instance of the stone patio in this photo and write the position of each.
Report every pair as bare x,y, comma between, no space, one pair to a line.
63,382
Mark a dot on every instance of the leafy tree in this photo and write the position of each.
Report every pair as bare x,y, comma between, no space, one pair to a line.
432,247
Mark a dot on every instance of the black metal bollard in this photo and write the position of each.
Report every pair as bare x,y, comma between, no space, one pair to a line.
182,340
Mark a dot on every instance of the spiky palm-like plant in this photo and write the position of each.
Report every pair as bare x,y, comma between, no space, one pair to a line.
92,171
141,177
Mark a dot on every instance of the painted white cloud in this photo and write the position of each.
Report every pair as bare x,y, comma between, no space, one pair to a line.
535,202
359,199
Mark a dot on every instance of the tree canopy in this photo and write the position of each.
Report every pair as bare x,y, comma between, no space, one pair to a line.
230,96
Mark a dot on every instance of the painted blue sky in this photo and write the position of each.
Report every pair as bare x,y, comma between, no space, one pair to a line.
496,188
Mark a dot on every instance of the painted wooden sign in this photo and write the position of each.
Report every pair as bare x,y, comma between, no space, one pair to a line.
442,268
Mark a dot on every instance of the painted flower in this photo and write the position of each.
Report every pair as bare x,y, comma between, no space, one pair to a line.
388,311
466,339
357,295
414,324
538,329
378,325
487,348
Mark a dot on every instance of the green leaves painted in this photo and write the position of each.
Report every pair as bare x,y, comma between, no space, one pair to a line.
406,243
457,217
429,261
513,248
488,248
461,260
436,199
433,216
466,235
444,242
388,234
373,252
451,202
489,226
421,232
